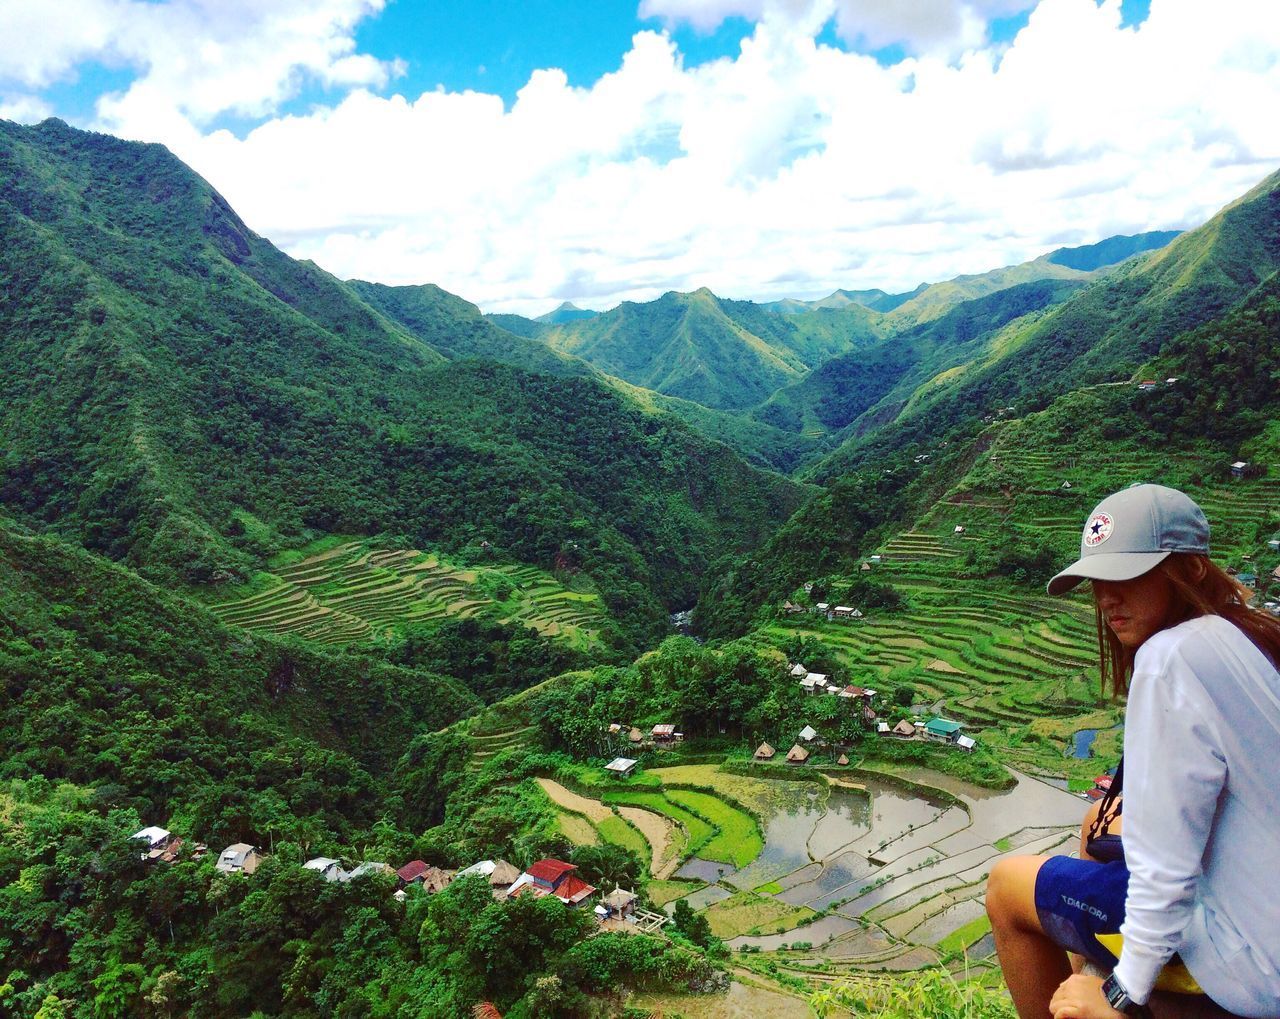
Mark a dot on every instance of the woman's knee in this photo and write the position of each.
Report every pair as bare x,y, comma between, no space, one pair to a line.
1011,892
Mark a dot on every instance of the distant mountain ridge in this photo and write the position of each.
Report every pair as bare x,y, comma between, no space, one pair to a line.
1111,251
929,299
876,300
1107,330
722,354
567,312
728,356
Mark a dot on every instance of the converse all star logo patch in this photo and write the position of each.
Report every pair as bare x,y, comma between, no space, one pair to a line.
1098,529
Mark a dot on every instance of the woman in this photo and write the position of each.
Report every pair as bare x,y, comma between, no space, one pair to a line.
1202,786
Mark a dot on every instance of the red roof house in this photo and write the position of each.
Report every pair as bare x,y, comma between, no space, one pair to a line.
573,891
550,872
412,872
553,877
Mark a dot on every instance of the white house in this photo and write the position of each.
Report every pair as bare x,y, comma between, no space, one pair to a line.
157,840
154,837
238,858
808,734
328,869
621,766
814,682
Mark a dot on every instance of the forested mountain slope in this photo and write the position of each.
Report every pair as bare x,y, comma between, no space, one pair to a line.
1104,332
179,395
839,391
457,329
110,681
698,347
1061,264
1205,301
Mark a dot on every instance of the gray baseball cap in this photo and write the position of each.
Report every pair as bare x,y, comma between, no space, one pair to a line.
1134,531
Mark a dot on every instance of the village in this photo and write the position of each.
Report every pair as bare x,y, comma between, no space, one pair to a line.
547,876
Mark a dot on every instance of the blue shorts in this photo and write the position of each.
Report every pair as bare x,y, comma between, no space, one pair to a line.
1079,899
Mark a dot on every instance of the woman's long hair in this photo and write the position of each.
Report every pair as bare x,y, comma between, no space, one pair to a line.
1199,589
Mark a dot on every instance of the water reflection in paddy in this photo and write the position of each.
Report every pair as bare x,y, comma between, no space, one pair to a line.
799,830
952,918
696,869
703,897
848,816
844,870
789,820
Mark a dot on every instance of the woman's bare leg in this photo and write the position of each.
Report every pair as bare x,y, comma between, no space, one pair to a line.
1033,965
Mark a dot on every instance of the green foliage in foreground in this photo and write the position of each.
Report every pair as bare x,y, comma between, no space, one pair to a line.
83,919
929,994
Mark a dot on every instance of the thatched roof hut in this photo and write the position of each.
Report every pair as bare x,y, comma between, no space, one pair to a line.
635,735
764,752
797,755
844,759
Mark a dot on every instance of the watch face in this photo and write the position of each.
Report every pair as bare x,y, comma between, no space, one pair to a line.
1116,996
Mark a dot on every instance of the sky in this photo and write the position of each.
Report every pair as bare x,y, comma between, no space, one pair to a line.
522,154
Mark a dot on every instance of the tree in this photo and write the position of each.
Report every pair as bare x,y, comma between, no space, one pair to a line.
693,926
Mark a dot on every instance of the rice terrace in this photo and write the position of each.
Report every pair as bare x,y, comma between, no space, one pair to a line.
338,593
815,874
547,511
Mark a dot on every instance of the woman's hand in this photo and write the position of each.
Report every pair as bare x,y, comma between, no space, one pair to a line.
1081,997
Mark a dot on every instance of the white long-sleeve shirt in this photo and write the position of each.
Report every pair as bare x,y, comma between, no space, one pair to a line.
1202,816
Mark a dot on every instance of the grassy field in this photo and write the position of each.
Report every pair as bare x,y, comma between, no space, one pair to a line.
662,892
738,841
618,832
749,913
700,831
577,829
341,591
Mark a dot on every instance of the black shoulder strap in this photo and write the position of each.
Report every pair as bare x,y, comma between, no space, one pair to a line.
1112,805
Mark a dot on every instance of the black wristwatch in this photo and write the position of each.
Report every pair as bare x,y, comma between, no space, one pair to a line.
1118,998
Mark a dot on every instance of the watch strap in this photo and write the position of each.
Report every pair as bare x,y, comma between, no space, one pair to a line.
1118,998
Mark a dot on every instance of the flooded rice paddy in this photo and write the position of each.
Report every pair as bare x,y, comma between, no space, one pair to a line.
895,872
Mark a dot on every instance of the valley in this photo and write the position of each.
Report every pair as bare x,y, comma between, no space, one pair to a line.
356,576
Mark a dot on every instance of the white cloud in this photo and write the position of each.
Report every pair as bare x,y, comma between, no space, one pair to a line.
791,169
195,59
25,109
945,27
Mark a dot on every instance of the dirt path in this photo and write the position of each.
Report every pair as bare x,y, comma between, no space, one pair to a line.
593,810
659,832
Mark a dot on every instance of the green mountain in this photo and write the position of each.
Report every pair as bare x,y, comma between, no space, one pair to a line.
1202,308
875,300
1062,264
697,347
457,329
182,397
878,381
1105,332
1111,251
929,300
